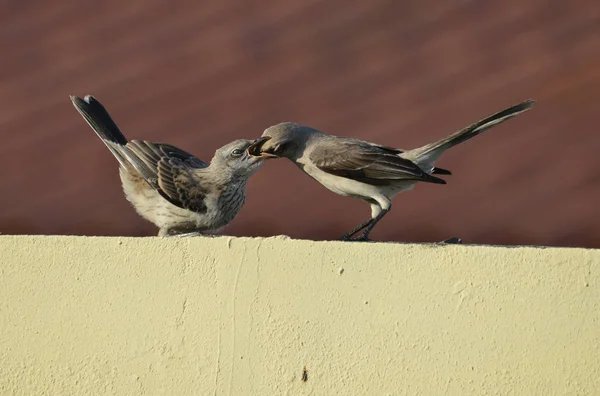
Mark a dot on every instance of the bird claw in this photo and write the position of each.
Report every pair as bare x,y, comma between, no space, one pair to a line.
452,241
187,234
348,238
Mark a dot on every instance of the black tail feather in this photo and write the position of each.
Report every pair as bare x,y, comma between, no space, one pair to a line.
441,171
98,118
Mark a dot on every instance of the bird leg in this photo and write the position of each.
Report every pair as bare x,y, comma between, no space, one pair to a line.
364,237
348,236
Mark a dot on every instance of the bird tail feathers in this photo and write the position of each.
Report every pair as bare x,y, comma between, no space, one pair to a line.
102,123
426,156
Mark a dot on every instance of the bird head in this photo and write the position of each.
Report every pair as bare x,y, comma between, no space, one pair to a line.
286,139
240,157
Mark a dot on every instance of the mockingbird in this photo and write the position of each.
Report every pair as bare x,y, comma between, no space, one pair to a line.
173,189
364,170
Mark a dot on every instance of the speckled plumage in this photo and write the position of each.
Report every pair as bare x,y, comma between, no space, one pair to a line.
171,188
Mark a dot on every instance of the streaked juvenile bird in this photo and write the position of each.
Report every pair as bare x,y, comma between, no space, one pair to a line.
364,170
171,188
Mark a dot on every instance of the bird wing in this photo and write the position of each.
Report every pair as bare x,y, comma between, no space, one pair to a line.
434,171
169,171
366,162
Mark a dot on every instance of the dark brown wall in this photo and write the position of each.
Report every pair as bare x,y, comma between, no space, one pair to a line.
400,73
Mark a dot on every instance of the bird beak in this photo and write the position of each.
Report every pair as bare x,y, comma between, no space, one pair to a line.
254,149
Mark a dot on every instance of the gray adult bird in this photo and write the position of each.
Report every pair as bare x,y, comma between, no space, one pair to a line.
364,170
171,188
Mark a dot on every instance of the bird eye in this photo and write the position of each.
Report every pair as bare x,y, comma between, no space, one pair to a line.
236,152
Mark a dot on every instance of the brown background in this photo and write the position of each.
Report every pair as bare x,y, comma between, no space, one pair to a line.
400,73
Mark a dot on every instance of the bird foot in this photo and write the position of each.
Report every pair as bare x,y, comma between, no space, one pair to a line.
361,238
452,241
187,234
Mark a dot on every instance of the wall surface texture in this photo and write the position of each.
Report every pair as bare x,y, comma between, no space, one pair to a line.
231,316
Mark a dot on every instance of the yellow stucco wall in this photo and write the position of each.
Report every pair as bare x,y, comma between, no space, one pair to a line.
230,316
